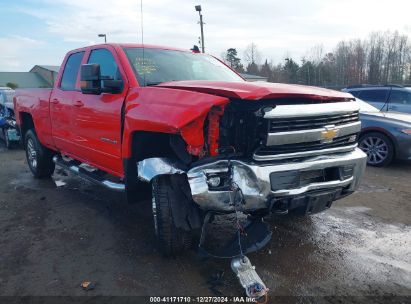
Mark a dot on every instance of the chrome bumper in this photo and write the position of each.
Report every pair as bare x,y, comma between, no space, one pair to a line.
254,180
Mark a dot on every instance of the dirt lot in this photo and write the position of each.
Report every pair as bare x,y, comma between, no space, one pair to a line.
53,238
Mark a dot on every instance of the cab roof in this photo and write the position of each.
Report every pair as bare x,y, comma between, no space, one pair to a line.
131,45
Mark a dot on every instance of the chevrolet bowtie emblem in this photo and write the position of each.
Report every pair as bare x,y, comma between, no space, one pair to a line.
329,134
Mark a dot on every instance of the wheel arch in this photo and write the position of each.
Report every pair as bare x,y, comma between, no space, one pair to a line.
384,132
147,144
26,123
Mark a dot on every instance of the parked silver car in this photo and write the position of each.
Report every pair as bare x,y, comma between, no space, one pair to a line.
384,135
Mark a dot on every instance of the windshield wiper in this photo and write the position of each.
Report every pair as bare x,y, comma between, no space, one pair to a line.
153,83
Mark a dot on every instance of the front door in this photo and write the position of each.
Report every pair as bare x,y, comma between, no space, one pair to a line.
400,101
97,118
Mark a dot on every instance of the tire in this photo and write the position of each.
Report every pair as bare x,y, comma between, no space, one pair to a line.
39,158
6,139
172,241
378,147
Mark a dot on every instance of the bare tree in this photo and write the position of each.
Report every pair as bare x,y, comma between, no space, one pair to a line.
252,54
383,57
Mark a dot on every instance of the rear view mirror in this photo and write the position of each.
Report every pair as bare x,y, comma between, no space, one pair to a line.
90,79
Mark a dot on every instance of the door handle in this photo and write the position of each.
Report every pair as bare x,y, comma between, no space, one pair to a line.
78,103
55,101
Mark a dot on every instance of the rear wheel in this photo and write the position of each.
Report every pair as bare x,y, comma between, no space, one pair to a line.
171,239
39,158
378,147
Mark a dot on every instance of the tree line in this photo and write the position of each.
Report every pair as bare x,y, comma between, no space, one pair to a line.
381,58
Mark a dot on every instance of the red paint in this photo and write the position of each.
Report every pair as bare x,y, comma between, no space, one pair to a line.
214,129
74,123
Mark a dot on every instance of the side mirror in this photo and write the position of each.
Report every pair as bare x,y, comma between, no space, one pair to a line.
112,86
90,79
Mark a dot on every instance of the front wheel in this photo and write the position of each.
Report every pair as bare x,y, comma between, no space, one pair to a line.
378,147
166,197
39,158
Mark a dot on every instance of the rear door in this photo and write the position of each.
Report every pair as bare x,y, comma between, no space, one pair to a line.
97,118
400,100
61,103
376,97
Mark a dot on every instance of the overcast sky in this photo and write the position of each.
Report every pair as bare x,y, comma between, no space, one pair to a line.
42,31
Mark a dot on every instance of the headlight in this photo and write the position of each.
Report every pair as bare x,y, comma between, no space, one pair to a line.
406,131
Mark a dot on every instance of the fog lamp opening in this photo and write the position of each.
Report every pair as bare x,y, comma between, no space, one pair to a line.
347,171
214,181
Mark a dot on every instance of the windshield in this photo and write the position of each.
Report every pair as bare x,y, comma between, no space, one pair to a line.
159,66
365,107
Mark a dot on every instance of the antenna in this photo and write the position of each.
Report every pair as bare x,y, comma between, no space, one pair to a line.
142,40
142,23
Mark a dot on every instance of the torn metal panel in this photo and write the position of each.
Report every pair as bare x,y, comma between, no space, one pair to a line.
242,174
151,167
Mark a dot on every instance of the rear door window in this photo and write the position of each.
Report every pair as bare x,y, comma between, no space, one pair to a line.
400,97
374,95
71,69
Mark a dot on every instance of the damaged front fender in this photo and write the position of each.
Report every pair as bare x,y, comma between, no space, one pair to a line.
172,111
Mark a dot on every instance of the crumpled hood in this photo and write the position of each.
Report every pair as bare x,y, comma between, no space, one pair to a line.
257,90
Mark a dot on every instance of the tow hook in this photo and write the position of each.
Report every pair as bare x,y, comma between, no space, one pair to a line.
249,279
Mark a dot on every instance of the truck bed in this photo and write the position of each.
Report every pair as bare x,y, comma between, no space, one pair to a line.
36,103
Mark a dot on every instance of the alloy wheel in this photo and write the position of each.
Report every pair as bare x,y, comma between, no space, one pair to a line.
31,153
375,148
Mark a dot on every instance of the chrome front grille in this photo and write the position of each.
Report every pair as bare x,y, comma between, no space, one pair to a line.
296,124
310,129
307,146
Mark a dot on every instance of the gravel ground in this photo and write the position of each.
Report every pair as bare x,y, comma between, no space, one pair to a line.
53,238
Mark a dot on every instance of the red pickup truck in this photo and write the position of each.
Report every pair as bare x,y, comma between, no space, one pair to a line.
208,142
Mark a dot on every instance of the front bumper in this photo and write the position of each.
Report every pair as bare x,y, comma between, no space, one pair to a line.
260,184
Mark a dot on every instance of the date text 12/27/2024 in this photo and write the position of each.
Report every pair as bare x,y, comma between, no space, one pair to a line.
202,300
